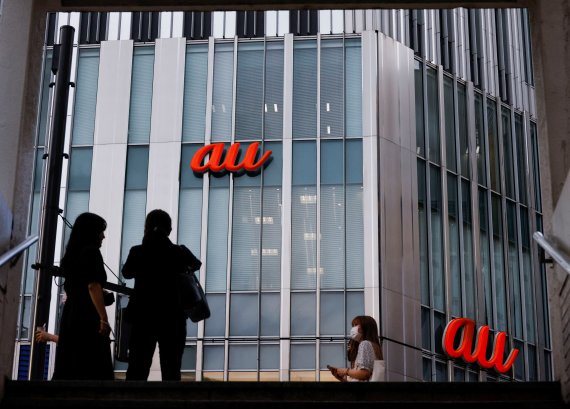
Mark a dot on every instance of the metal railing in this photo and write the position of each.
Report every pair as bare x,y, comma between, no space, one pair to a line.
557,256
16,251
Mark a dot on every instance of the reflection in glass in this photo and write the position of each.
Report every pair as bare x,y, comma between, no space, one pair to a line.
332,96
454,252
463,130
249,93
222,103
521,159
449,111
433,116
424,277
499,264
480,145
514,272
468,259
492,135
437,255
419,98
485,256
305,89
508,153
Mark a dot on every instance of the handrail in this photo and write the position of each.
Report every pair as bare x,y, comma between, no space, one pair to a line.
15,251
559,257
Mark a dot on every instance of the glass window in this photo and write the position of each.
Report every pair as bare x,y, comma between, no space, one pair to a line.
508,153
437,255
535,167
493,138
354,215
419,97
304,216
426,329
440,371
449,111
514,272
222,103
527,276
454,249
353,87
532,368
521,159
242,357
195,83
468,260
213,356
141,95
458,374
190,205
303,314
332,313
426,369
499,264
519,364
463,130
485,256
217,251
354,307
305,89
269,357
215,326
249,98
439,324
480,146
433,115
332,206
80,169
137,168
273,109
85,97
422,200
45,102
270,314
244,314
189,358
332,354
332,96
303,356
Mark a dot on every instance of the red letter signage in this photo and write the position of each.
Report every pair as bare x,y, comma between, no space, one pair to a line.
471,353
216,151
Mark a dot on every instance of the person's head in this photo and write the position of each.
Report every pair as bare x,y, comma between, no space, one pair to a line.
364,328
158,221
88,230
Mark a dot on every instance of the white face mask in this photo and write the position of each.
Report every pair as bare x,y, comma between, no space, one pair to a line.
354,333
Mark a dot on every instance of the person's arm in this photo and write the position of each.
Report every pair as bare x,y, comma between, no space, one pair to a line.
96,294
44,336
360,374
191,260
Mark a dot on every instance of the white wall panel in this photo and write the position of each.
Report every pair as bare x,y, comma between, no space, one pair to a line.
114,92
166,128
113,27
177,24
165,24
125,30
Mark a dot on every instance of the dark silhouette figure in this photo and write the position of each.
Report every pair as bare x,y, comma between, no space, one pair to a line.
83,350
154,309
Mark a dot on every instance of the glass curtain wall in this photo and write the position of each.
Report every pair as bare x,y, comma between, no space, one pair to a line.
494,155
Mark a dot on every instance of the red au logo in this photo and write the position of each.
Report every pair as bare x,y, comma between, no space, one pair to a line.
216,151
478,353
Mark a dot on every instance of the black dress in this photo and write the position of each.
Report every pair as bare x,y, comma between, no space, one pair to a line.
82,353
154,309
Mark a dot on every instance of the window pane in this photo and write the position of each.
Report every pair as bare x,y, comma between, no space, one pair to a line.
303,356
305,89
485,256
85,97
332,313
514,272
77,203
463,130
535,167
500,287
508,153
45,102
190,205
426,369
243,357
437,240
304,217
419,97
450,144
249,99
521,159
270,314
332,98
425,288
354,215
80,169
480,147
273,109
439,325
493,137
215,326
303,314
217,252
213,357
333,355
454,255
195,83
222,104
426,329
244,314
189,358
468,260
269,357
433,116
141,95
353,87
527,274
137,168
440,372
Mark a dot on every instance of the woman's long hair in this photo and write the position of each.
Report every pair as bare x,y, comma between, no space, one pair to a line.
369,332
86,232
157,224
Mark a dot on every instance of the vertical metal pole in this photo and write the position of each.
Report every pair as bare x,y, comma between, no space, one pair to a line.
51,200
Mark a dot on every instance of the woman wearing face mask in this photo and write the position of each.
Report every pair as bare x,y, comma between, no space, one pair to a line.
363,349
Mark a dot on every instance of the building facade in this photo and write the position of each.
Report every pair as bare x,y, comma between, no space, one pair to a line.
370,115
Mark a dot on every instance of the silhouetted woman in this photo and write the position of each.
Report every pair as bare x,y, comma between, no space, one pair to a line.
83,350
154,309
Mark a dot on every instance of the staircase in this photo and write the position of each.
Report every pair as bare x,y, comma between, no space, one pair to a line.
277,395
